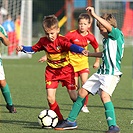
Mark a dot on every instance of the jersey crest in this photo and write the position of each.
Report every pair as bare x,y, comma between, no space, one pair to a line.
48,82
58,47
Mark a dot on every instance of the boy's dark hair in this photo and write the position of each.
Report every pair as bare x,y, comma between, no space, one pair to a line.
110,19
85,16
50,22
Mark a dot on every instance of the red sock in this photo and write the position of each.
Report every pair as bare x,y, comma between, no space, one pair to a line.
56,109
86,101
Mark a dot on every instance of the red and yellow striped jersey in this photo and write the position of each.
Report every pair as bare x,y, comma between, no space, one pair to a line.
57,51
79,61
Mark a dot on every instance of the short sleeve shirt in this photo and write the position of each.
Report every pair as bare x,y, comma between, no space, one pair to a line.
113,49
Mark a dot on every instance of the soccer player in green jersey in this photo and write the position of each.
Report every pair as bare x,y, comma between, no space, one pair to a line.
105,80
3,84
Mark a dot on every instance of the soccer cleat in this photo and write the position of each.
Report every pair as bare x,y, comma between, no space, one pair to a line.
66,125
59,122
113,129
85,109
11,108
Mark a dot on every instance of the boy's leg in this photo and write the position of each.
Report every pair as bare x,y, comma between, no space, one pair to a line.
53,105
85,108
7,96
72,94
107,88
91,86
76,108
56,109
110,117
84,76
86,100
109,113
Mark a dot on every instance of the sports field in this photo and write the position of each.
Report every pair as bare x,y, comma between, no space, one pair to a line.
26,81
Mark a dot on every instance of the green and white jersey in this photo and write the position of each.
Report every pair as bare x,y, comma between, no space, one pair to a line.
2,30
113,48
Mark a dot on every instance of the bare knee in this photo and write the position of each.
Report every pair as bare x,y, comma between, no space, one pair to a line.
2,83
50,99
82,92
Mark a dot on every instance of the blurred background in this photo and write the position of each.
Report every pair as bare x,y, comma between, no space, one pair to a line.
27,16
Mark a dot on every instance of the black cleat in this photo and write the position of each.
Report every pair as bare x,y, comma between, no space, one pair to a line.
113,129
11,108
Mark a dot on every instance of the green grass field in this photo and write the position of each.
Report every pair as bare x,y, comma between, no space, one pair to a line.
26,81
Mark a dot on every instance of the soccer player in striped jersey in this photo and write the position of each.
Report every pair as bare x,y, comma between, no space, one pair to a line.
3,84
58,67
105,80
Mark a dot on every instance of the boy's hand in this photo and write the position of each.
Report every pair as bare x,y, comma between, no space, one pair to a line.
85,52
19,48
90,10
96,65
42,59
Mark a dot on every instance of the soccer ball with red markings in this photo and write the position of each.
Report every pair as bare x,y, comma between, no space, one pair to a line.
47,118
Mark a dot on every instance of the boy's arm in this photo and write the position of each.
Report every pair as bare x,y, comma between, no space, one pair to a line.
97,60
25,49
75,48
101,20
5,40
43,59
98,54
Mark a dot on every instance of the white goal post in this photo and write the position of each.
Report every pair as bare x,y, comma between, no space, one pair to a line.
21,9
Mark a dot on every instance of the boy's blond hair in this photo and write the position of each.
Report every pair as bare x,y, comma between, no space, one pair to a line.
50,22
85,16
109,18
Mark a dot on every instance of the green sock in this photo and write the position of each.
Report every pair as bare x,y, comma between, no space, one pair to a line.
7,95
110,113
76,109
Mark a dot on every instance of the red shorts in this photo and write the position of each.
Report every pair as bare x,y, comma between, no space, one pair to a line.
86,70
65,75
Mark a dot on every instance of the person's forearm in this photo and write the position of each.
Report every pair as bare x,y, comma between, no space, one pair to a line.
5,41
98,54
103,22
28,49
98,18
97,51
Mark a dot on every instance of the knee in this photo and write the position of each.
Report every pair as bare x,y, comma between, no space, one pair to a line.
82,92
2,83
50,99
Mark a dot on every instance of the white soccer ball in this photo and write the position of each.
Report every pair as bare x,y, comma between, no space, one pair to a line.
47,118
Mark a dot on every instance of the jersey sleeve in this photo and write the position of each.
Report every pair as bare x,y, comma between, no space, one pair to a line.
114,34
28,49
38,46
94,42
3,31
65,43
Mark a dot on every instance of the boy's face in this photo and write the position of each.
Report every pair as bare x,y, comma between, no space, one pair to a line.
83,25
51,34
